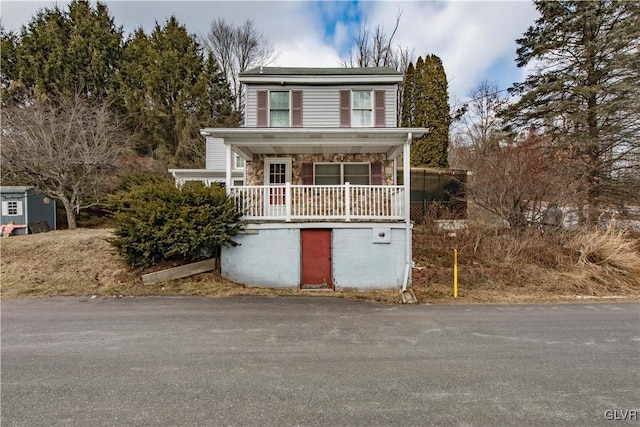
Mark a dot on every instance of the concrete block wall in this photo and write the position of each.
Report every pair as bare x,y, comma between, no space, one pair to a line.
366,257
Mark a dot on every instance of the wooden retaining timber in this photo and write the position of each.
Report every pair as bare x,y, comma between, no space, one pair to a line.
180,272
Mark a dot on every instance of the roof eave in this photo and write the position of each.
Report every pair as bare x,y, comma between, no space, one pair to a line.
321,79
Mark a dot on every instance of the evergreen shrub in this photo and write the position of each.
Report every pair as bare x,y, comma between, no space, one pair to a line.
159,222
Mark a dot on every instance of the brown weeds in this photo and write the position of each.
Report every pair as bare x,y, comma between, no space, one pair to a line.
495,265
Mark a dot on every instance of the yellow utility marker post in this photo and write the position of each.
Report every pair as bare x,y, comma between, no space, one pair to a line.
455,273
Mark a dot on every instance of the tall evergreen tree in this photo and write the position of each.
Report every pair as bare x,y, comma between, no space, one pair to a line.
64,53
408,96
426,104
584,92
168,90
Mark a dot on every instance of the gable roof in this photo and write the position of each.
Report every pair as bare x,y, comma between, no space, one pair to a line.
320,71
315,75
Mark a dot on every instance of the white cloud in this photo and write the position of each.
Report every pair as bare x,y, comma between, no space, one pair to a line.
469,37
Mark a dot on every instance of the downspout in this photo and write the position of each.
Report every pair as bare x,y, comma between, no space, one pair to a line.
406,176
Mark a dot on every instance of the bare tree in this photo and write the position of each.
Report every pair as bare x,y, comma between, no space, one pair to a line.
476,123
481,124
513,179
236,49
65,150
375,48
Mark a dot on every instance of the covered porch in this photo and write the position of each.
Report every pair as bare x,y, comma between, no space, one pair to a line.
288,197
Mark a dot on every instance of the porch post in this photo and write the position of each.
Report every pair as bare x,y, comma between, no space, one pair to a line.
406,176
347,202
287,201
228,181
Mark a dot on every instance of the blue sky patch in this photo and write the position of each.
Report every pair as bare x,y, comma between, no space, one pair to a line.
346,13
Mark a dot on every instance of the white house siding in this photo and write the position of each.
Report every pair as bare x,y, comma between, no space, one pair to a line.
271,256
321,104
216,154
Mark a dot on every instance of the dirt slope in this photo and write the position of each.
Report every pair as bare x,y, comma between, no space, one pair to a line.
82,263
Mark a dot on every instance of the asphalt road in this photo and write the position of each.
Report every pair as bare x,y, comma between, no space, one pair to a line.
254,361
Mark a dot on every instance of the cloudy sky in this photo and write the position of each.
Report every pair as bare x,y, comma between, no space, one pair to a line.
474,39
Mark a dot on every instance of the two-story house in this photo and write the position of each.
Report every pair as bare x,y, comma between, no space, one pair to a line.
319,195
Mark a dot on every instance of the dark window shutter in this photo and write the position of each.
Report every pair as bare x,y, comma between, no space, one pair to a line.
345,108
262,108
380,114
296,108
376,173
307,174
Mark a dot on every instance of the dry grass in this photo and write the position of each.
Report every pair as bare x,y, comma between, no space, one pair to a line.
497,266
494,267
81,262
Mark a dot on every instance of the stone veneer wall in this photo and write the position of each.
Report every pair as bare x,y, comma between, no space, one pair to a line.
255,169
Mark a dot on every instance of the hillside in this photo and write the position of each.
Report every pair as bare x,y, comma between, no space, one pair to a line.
492,269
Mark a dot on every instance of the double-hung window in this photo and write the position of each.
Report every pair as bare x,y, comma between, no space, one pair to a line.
279,109
239,162
362,108
339,173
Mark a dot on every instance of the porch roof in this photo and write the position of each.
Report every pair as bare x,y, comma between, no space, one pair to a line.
280,141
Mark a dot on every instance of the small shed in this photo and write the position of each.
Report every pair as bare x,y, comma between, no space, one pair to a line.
22,205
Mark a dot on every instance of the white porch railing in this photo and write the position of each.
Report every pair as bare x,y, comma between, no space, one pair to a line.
320,202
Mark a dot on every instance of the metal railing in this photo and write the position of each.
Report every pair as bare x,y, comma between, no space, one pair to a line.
320,202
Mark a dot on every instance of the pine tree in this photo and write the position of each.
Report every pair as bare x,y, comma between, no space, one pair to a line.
584,92
426,104
168,91
64,53
408,90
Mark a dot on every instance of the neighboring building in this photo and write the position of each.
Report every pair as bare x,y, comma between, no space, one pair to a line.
23,206
320,201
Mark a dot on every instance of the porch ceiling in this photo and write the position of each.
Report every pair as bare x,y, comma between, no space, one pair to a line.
281,141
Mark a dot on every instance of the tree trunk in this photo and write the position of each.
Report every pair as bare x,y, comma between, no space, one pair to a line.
70,212
594,166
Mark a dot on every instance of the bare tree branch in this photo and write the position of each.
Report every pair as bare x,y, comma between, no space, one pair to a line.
237,49
66,150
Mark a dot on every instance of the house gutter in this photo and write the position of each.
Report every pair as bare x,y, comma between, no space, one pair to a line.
407,203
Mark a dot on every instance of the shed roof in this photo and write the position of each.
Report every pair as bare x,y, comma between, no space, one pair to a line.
14,188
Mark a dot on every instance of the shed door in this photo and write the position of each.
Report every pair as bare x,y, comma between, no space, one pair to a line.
316,258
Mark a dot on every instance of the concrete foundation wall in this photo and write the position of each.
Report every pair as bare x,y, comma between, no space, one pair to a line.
365,257
268,258
360,263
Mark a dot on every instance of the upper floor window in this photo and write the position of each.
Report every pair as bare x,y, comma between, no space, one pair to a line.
279,109
361,111
362,108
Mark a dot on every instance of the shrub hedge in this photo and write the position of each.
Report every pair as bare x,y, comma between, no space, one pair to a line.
158,221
